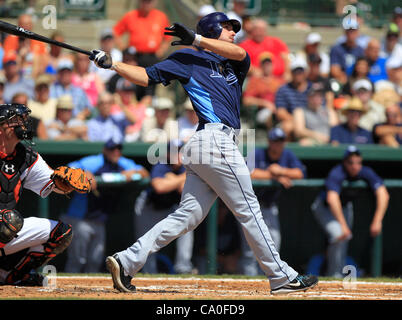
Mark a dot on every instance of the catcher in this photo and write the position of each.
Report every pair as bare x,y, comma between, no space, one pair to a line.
28,243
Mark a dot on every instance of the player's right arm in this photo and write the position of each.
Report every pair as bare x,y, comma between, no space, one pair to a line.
335,205
135,74
333,186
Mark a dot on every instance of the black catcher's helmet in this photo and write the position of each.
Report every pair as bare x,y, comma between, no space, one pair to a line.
17,116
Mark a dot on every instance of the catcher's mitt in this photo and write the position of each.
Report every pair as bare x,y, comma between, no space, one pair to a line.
69,179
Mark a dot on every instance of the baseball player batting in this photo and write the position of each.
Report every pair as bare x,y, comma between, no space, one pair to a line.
212,73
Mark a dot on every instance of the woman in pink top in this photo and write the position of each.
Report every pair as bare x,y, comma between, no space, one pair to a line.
126,103
90,82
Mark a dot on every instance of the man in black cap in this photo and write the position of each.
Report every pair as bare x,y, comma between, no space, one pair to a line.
315,76
333,208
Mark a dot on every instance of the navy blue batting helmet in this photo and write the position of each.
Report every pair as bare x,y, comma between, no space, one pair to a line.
210,25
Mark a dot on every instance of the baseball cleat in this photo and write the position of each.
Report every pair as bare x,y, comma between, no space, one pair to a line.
32,279
121,282
300,283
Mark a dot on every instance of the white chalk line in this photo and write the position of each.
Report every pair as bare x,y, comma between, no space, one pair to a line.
227,280
197,291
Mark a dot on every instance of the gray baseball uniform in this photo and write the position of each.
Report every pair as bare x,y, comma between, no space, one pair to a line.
215,168
214,164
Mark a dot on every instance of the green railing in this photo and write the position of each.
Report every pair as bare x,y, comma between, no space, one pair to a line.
140,149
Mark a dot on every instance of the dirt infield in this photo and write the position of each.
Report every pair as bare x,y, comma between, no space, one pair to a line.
199,289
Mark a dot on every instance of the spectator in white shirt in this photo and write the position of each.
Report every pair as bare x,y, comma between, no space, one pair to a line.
312,46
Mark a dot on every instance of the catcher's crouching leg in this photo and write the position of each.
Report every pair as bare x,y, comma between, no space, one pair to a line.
59,239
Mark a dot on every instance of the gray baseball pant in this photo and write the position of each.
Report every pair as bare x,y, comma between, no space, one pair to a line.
337,250
215,168
248,263
86,253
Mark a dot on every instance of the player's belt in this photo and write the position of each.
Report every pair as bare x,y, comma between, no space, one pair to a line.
232,133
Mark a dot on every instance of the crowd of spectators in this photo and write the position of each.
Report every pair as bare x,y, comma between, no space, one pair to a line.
329,96
313,94
70,98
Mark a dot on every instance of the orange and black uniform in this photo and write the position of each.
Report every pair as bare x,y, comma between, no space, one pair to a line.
11,168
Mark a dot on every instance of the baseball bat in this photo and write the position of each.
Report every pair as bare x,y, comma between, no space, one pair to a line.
21,32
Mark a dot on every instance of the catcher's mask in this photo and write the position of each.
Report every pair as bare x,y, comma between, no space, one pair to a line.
17,116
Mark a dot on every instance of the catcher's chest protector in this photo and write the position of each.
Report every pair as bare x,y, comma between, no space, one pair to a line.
11,169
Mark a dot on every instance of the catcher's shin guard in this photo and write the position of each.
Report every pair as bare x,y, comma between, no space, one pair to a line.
60,238
22,270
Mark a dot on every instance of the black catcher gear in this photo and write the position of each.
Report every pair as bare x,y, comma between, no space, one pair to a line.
11,222
17,116
21,267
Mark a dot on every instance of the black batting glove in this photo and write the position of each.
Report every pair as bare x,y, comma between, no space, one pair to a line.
186,35
101,59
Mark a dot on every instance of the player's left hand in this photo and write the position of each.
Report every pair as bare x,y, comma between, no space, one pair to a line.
375,228
101,59
186,35
285,182
276,170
